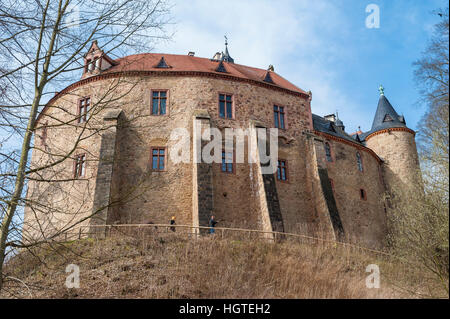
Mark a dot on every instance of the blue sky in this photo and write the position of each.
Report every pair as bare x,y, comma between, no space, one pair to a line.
322,46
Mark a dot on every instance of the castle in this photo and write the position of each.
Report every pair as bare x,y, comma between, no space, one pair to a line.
104,142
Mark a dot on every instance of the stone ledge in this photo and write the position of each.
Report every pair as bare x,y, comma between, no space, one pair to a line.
112,115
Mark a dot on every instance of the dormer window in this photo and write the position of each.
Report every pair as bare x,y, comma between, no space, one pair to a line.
387,118
91,66
86,66
98,63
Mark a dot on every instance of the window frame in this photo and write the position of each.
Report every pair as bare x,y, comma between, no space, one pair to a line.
83,116
362,194
76,174
159,102
279,116
331,152
98,63
286,167
233,112
359,162
233,163
86,66
165,158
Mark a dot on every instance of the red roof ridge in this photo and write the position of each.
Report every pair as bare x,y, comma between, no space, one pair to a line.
180,62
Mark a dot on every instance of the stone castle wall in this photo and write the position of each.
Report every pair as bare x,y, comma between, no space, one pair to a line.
398,149
363,219
147,196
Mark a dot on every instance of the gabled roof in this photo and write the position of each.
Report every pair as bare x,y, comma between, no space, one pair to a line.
162,64
268,78
221,68
186,63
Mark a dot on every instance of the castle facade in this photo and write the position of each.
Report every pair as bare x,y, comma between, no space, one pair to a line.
105,143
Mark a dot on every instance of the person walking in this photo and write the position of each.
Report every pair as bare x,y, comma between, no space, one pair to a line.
172,222
212,224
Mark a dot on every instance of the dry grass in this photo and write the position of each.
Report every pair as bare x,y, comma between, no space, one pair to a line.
176,267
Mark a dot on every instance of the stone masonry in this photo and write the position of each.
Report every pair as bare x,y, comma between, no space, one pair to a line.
328,198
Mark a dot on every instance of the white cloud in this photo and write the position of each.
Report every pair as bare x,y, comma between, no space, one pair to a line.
302,39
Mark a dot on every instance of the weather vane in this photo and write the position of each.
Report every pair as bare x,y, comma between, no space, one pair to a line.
381,89
226,39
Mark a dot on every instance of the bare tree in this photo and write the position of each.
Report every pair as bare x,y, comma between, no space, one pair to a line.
420,227
42,46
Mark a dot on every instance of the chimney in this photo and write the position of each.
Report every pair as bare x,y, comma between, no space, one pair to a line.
217,56
330,117
191,53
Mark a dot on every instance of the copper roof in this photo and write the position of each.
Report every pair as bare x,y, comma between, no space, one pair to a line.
186,63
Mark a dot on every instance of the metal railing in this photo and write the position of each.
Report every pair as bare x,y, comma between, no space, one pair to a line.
197,231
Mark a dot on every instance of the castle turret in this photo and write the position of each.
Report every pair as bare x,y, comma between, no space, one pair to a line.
394,142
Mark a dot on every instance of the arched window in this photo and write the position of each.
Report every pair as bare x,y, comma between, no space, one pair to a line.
359,161
328,152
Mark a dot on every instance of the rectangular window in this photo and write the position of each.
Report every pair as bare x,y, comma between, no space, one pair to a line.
86,67
80,166
282,173
226,106
158,159
227,162
159,102
83,109
44,134
279,117
328,152
362,194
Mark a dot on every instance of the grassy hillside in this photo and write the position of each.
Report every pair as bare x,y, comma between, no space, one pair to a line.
176,267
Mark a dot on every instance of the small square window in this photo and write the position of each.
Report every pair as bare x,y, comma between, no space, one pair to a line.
282,170
362,194
227,162
158,159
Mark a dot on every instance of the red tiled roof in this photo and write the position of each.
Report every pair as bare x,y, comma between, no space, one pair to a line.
147,62
186,63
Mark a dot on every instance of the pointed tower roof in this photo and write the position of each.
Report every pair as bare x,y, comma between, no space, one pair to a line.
226,56
386,116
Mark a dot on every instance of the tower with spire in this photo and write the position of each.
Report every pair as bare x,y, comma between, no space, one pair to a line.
224,56
395,144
